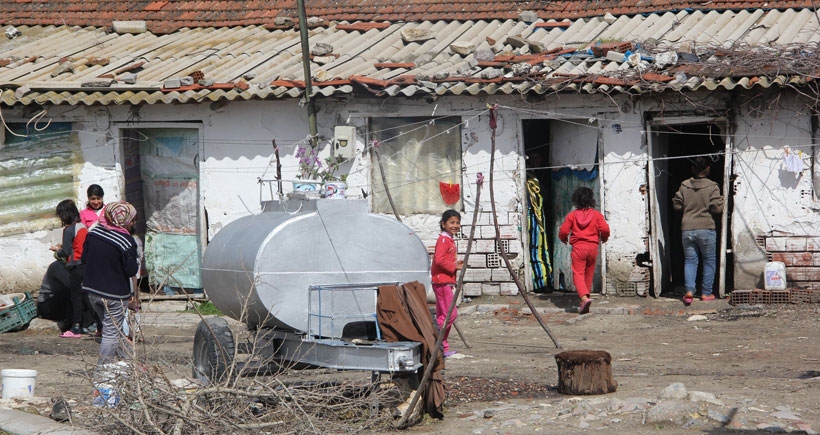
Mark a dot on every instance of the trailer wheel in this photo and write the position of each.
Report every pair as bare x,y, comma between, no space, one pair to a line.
214,350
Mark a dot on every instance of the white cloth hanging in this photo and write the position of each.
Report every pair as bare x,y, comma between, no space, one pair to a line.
792,162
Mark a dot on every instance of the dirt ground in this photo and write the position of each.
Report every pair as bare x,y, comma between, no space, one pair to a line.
764,361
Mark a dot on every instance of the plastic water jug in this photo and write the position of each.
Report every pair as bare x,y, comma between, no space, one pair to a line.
774,276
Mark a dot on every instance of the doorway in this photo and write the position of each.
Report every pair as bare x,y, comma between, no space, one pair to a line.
539,216
563,156
161,171
672,147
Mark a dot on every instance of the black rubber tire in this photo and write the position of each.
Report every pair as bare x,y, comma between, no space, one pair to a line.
214,349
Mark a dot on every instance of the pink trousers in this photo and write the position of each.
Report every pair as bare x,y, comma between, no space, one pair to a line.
584,256
444,297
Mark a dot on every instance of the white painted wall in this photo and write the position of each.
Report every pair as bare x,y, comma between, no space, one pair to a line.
768,199
237,151
624,187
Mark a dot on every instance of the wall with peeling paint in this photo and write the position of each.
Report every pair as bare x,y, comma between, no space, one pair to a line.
770,200
236,152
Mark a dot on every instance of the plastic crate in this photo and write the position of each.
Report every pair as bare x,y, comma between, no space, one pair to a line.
18,316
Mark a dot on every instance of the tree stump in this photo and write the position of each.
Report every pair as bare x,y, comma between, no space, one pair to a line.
585,372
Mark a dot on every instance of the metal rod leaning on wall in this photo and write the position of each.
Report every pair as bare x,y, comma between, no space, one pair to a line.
493,124
375,149
428,370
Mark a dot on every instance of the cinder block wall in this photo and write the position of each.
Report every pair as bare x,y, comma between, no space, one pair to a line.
487,273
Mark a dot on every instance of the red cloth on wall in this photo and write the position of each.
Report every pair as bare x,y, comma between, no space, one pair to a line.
450,192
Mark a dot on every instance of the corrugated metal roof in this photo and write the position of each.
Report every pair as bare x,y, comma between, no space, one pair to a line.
744,48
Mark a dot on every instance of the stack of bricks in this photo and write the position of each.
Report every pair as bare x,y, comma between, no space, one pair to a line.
487,272
788,296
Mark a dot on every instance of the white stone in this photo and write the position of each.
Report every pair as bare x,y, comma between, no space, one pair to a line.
315,21
697,318
463,48
528,16
133,27
700,396
675,390
416,35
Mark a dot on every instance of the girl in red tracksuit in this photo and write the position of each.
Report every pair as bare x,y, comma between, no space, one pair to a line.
584,228
443,272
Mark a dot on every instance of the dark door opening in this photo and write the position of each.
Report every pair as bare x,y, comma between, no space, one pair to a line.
674,147
540,222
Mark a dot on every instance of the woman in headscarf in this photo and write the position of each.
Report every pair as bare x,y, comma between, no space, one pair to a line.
110,257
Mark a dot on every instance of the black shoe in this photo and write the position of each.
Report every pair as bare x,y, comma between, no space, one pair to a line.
60,411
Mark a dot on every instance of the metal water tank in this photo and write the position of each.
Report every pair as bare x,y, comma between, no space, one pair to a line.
259,268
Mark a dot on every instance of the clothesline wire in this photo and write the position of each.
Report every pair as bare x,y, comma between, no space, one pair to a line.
473,169
550,115
295,142
465,169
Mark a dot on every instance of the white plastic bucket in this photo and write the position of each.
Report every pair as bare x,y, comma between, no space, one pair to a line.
774,276
18,382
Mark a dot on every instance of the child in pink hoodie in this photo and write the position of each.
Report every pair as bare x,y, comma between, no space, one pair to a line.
584,228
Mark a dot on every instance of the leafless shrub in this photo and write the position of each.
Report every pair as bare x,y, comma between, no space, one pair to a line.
250,389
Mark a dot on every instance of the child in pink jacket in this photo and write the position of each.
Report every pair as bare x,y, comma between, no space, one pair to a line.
584,228
443,273
93,211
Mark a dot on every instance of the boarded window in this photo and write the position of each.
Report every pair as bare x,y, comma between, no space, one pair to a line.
37,170
421,159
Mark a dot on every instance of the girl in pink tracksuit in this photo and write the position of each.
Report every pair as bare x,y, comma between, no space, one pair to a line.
584,228
443,272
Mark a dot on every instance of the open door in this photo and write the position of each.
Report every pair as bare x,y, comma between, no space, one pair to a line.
162,181
658,254
672,143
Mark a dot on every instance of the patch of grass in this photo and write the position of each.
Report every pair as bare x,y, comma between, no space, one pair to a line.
206,308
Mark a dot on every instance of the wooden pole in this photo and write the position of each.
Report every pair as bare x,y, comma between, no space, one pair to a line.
384,180
398,218
498,236
428,371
